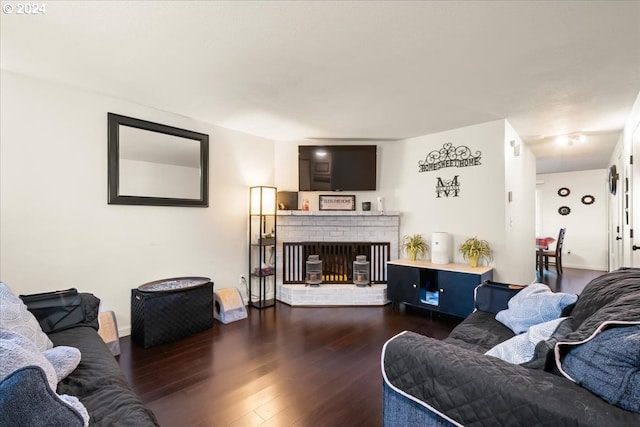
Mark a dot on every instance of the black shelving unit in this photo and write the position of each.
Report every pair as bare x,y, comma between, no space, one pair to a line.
262,246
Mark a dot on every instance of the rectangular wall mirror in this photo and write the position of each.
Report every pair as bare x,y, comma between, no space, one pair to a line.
157,165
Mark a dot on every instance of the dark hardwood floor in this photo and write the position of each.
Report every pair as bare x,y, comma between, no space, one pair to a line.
572,280
284,366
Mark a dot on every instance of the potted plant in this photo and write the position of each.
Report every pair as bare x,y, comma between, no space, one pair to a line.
474,249
414,246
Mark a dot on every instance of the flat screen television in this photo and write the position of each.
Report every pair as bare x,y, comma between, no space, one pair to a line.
337,167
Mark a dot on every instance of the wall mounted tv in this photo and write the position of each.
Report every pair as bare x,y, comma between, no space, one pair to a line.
337,168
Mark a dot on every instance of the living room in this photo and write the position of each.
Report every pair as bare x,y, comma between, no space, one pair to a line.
58,231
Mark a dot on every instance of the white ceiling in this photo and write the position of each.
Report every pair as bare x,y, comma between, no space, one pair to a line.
352,69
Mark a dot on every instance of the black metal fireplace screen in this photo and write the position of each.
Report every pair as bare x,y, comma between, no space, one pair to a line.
337,260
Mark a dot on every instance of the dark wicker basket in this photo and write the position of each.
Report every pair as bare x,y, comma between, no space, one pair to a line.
159,317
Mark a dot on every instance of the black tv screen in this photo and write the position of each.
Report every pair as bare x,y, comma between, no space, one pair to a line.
337,168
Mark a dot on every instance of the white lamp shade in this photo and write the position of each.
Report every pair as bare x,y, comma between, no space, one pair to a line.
263,199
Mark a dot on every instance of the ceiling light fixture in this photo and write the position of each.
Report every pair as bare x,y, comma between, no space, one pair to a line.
571,139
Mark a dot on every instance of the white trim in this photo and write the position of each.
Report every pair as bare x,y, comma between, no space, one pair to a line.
603,325
397,390
337,213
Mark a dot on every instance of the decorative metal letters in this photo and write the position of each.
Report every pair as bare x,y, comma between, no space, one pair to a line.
447,188
449,157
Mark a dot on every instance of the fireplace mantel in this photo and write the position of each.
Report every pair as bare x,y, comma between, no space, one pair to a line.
338,213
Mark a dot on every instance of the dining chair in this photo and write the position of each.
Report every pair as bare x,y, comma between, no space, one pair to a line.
556,253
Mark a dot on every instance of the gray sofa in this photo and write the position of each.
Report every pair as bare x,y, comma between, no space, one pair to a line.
99,383
570,380
42,381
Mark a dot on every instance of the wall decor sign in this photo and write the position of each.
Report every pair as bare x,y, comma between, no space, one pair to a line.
447,188
564,210
588,199
564,192
337,203
449,157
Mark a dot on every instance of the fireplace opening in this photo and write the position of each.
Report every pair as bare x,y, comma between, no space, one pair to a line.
337,261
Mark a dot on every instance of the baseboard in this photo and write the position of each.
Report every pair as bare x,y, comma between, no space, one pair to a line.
581,267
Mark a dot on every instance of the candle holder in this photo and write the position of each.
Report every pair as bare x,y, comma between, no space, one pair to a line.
314,270
361,271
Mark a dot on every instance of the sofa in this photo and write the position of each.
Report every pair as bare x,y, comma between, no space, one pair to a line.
61,374
583,371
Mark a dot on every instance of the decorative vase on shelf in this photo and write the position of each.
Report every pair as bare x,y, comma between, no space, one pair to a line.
473,260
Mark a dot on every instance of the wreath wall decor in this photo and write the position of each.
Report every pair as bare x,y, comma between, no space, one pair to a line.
564,192
588,199
564,210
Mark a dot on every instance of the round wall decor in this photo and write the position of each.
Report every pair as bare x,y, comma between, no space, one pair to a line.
564,210
588,199
564,192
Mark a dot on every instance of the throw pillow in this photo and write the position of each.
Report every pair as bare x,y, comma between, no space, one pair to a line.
14,316
26,389
609,366
521,348
543,355
63,359
18,351
533,305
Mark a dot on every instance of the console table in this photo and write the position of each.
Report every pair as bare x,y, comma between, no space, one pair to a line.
443,288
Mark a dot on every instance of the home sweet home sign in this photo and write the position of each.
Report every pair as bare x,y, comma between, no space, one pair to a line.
449,157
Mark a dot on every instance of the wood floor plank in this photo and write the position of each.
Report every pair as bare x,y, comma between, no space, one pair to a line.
284,366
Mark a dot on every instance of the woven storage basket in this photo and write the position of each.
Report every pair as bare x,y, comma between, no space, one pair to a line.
165,316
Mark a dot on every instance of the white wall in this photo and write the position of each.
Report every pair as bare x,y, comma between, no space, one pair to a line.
622,253
631,141
483,192
520,181
56,229
586,236
480,208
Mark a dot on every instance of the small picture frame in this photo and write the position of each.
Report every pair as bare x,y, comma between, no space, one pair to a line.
337,203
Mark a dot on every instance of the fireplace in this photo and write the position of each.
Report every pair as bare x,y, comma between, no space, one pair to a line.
337,260
345,228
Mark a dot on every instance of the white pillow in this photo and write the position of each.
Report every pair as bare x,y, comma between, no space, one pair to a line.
533,305
14,316
521,348
64,360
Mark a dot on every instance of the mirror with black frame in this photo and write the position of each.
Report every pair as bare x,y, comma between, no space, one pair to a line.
157,165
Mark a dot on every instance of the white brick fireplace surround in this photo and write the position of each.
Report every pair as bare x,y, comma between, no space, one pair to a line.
335,226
